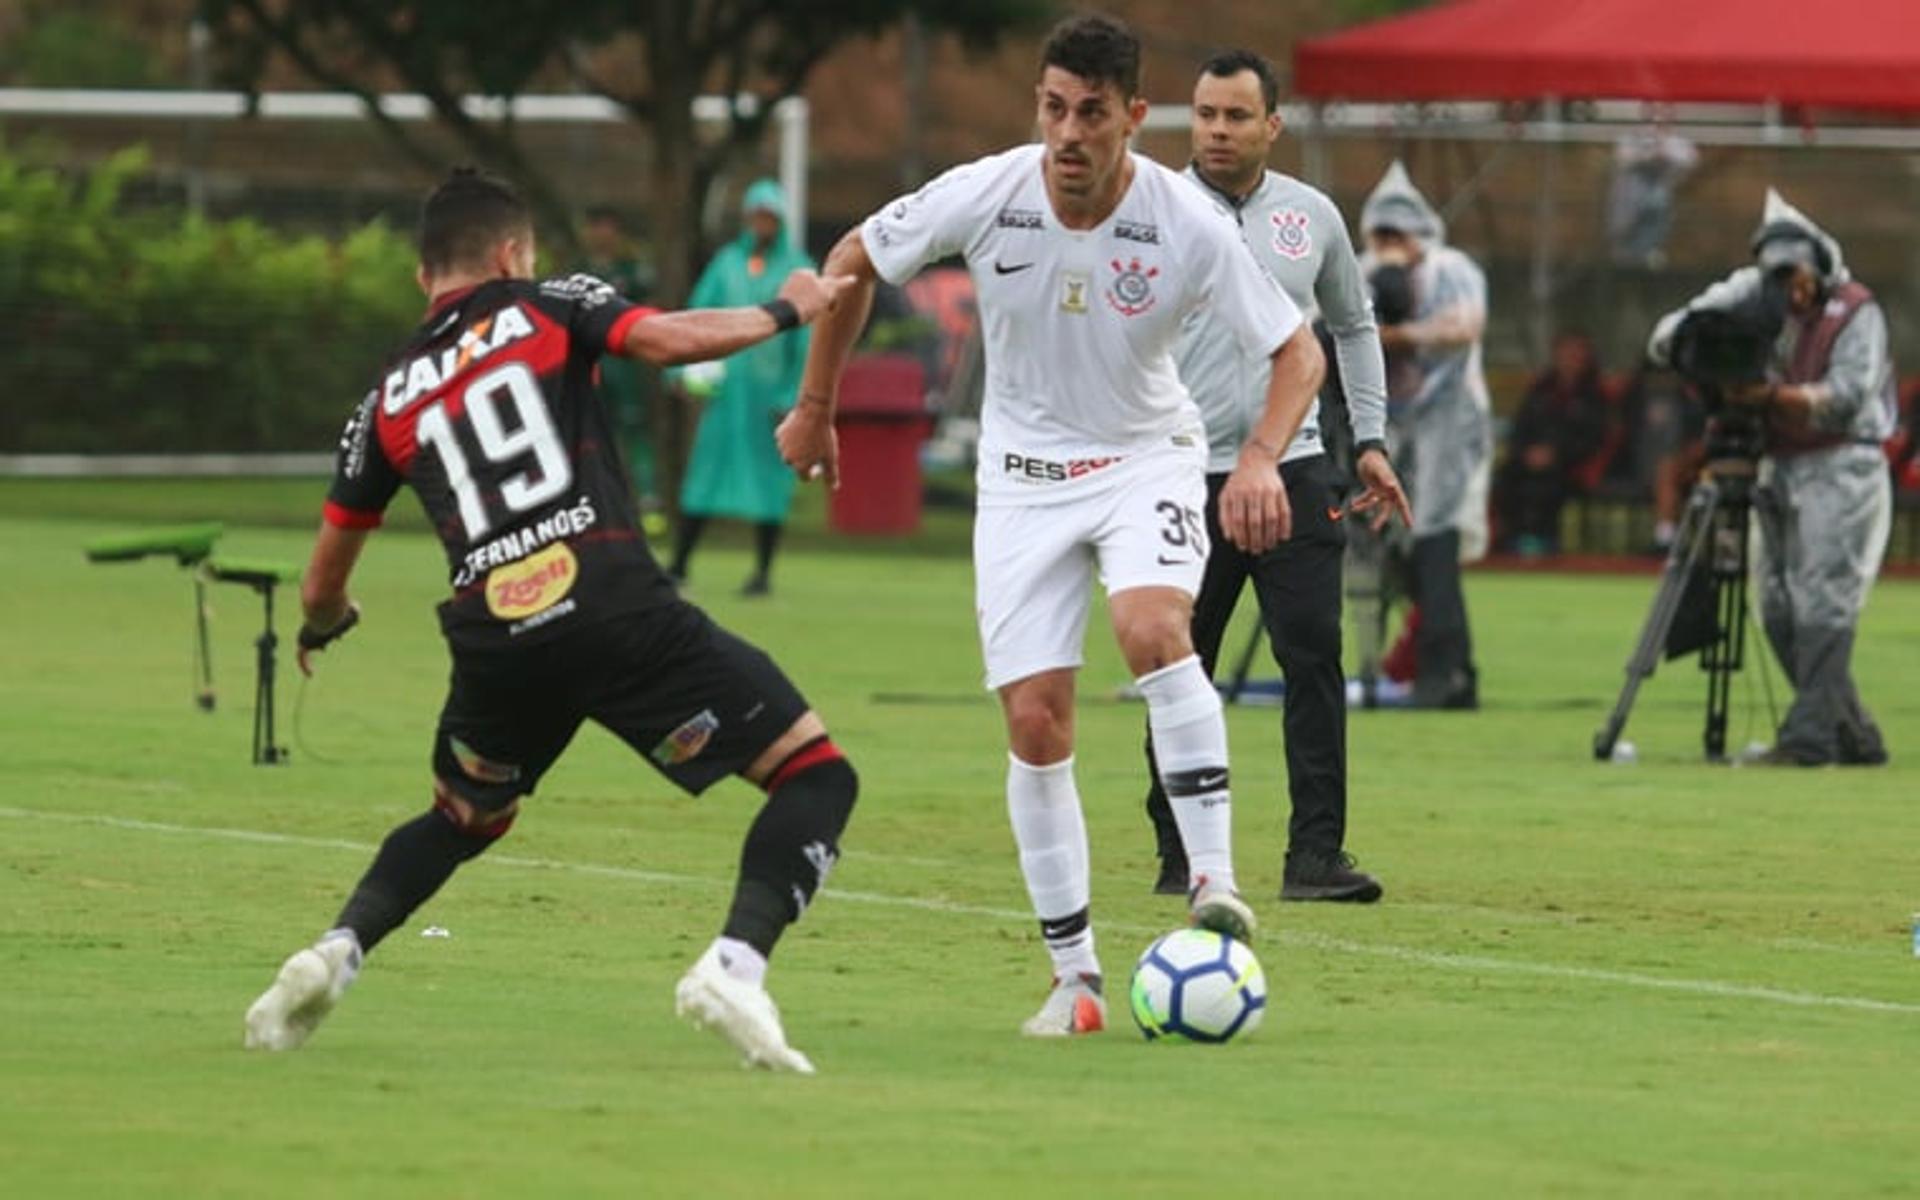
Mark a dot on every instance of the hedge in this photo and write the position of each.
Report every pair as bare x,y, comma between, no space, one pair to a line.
126,331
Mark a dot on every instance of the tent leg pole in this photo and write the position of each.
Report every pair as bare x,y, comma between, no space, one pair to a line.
1543,231
1313,147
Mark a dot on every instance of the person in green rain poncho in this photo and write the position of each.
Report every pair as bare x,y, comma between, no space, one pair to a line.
735,470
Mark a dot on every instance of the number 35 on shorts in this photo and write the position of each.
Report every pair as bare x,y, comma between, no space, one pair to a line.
1184,530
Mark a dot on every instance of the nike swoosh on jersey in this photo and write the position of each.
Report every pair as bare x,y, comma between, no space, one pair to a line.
1000,268
1334,514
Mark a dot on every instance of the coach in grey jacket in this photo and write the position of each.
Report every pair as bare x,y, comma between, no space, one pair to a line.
1300,238
1827,502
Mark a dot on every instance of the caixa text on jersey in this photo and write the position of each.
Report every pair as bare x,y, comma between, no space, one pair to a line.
423,375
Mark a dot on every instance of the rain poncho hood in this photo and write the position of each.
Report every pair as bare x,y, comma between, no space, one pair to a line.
765,195
1781,222
1397,204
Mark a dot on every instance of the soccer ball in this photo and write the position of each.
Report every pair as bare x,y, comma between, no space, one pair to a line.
1199,985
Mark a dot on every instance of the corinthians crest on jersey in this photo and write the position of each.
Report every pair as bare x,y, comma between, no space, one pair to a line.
1131,291
1291,237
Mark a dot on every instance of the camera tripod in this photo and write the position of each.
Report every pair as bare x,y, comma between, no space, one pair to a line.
262,578
1702,601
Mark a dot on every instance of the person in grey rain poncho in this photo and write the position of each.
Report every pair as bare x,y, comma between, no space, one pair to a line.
1825,503
1442,433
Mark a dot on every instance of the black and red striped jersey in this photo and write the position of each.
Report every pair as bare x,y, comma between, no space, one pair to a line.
490,414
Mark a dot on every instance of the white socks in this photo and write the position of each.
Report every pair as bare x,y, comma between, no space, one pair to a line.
1051,834
1190,742
739,960
350,963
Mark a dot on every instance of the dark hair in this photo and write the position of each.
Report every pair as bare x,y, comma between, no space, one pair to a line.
466,216
1098,49
1228,63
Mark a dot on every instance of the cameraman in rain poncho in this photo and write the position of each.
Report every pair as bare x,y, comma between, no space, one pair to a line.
1826,502
1443,434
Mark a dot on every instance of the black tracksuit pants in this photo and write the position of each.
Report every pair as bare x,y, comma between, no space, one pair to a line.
1298,585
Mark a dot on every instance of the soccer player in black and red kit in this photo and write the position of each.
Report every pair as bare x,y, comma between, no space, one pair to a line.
558,613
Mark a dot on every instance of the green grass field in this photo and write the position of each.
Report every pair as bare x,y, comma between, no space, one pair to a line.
1657,979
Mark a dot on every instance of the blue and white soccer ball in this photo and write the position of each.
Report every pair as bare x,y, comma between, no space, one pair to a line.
1198,985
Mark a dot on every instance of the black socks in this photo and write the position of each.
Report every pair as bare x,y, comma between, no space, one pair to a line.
413,862
792,844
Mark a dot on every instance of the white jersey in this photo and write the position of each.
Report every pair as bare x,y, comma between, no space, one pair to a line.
1081,325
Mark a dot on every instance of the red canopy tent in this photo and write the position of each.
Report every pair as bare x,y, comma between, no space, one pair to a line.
1862,54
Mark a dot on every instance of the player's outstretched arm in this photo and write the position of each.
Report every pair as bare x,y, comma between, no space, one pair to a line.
324,603
1254,513
700,334
806,437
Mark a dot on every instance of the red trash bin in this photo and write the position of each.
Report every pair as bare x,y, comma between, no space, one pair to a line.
882,419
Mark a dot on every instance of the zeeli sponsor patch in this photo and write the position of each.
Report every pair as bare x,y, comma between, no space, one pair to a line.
688,740
534,584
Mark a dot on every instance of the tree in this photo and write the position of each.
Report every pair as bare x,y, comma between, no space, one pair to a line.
653,59
763,49
442,49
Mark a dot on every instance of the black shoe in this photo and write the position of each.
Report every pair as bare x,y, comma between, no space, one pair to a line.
1327,875
1460,691
1173,876
756,586
1861,750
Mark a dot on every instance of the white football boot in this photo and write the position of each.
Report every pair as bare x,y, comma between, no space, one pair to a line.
1212,906
308,986
1074,1006
740,1012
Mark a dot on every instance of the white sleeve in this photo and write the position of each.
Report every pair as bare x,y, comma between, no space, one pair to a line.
924,227
1241,293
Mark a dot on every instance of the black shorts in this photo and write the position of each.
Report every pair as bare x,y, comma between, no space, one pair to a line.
698,702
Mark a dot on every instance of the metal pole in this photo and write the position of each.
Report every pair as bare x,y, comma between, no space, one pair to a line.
1543,232
1313,146
792,115
913,82
199,46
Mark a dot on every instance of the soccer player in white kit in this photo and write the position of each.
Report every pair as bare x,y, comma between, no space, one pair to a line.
1087,259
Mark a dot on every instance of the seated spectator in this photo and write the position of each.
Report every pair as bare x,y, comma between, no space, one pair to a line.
1561,428
1675,439
1903,450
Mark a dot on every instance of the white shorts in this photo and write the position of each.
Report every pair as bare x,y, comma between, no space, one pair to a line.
1032,564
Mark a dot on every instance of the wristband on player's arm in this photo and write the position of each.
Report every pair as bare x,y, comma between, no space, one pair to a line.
310,639
785,315
1366,444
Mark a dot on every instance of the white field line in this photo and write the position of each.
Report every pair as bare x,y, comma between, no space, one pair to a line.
1315,941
